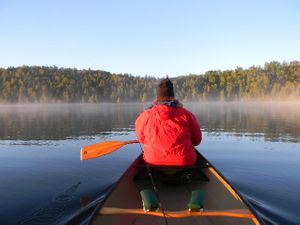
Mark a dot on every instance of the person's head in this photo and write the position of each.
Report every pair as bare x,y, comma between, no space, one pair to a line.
165,89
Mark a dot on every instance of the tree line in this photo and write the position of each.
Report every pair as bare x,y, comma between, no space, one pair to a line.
39,84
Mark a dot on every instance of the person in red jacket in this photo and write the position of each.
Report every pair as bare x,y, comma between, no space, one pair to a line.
168,131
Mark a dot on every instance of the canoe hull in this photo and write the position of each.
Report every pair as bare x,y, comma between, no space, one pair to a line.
219,196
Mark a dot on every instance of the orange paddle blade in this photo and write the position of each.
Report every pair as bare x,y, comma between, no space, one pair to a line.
103,148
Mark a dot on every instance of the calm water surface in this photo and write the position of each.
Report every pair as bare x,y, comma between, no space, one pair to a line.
42,181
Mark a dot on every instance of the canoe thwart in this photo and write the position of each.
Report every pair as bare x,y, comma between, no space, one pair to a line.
172,167
169,175
150,201
197,201
236,213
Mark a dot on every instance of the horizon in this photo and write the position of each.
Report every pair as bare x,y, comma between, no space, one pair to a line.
149,38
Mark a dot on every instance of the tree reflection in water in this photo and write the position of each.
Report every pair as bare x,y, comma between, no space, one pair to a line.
275,121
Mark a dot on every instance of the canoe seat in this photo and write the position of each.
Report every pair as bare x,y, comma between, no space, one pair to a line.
197,201
150,201
172,175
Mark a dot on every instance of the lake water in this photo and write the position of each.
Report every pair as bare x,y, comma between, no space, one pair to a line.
42,181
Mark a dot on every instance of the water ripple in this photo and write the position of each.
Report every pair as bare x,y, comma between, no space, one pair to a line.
51,214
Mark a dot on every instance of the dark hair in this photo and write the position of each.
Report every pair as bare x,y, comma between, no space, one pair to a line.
165,89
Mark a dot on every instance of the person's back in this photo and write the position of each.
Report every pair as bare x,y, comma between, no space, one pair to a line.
168,131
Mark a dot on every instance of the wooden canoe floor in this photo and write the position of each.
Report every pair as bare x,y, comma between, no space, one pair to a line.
173,198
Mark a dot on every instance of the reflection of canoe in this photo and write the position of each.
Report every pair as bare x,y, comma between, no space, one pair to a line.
222,204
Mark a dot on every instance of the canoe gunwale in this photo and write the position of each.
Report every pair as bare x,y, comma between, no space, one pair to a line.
257,220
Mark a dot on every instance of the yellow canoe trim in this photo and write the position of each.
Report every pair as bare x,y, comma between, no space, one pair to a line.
224,182
255,221
237,213
231,190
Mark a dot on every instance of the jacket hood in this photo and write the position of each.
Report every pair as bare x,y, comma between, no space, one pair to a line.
165,112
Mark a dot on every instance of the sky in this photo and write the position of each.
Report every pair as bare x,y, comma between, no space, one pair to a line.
149,37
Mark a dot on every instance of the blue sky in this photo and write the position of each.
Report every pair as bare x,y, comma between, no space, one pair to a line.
154,37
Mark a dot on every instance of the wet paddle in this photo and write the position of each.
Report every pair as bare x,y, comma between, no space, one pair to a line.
103,148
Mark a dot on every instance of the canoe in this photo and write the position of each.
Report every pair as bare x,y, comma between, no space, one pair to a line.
173,188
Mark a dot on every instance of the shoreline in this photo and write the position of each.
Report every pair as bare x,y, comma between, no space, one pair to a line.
286,102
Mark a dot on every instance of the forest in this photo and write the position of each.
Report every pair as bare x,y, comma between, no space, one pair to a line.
40,84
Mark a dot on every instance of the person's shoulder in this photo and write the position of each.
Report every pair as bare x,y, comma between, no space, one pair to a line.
183,110
186,112
146,112
141,118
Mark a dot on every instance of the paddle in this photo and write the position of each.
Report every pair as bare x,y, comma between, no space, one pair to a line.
103,148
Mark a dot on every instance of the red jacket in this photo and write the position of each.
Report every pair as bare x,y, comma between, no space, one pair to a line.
169,135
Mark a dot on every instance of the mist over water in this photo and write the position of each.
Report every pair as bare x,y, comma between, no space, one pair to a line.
255,145
275,121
